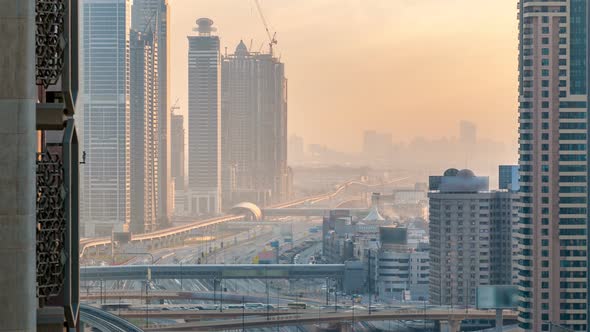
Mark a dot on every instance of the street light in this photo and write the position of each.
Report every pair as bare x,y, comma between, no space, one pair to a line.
352,325
243,314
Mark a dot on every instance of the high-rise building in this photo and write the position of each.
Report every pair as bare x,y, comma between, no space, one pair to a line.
104,125
553,129
254,125
153,15
377,145
296,149
144,123
204,112
508,177
471,241
467,133
177,150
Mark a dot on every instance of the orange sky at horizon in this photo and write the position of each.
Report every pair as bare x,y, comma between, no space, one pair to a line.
409,67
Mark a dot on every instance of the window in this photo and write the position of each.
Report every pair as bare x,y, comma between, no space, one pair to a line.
545,51
545,62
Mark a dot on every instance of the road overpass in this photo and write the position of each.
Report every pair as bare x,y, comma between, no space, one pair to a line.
451,318
213,271
309,212
155,295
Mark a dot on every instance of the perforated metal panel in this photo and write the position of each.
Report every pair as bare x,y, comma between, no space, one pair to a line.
50,41
51,225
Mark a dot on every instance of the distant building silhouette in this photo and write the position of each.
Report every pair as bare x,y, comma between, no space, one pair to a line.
296,149
467,132
377,145
177,133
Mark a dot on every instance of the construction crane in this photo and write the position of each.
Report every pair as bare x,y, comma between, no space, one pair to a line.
272,40
175,106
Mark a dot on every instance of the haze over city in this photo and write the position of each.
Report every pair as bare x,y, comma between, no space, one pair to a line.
410,68
294,165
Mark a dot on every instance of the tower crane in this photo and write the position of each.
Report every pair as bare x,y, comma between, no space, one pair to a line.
272,40
175,106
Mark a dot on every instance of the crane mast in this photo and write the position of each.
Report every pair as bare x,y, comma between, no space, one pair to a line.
272,40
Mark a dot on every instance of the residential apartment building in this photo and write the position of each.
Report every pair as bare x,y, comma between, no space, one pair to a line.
471,231
153,15
144,124
553,129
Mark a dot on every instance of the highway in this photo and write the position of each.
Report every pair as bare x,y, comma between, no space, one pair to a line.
317,316
185,229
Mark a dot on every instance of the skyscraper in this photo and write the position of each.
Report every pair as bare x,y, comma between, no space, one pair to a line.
467,133
153,15
254,132
177,150
204,150
105,178
145,143
553,130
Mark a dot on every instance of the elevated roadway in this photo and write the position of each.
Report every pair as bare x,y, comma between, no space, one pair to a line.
154,295
213,271
175,235
313,316
105,321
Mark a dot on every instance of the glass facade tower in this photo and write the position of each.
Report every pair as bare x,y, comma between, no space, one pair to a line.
105,178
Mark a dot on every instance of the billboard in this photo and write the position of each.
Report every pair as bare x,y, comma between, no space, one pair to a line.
497,297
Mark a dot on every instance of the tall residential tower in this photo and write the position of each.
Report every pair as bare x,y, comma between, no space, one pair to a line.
204,111
152,15
553,128
145,145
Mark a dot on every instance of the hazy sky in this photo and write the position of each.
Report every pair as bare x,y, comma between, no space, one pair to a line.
409,67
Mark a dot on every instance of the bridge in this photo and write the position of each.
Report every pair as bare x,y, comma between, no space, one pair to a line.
451,318
213,271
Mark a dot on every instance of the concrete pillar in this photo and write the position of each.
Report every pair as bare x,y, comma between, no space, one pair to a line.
17,166
450,326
